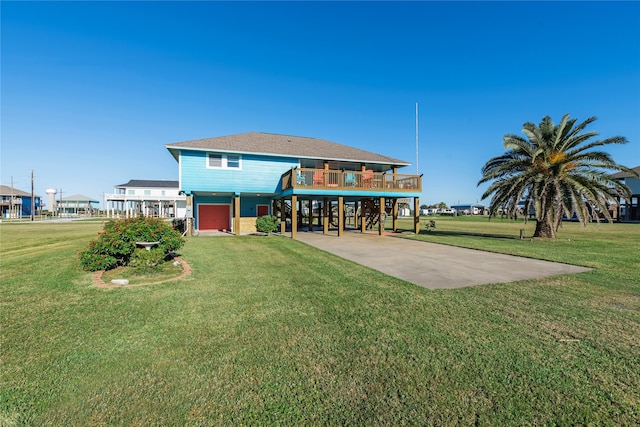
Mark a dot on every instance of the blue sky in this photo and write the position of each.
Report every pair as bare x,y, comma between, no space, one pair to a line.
92,91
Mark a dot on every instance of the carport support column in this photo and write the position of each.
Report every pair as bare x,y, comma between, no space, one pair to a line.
363,218
190,218
340,216
395,215
294,216
236,214
382,213
416,215
283,218
325,215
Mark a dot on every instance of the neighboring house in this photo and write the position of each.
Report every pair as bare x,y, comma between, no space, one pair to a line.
17,203
232,180
158,198
630,211
77,205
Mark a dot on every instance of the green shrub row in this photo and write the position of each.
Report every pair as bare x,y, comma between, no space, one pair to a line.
116,244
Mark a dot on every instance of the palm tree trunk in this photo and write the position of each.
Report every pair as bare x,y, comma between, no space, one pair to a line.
546,219
544,228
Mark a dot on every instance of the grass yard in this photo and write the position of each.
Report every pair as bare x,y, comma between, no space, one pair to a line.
269,331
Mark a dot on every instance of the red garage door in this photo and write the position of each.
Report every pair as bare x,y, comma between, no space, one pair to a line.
214,217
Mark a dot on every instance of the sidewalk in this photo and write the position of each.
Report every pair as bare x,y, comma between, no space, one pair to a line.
432,265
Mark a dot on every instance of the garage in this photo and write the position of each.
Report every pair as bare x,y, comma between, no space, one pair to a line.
214,217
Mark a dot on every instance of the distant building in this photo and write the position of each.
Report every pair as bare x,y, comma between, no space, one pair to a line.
155,198
17,203
630,211
77,205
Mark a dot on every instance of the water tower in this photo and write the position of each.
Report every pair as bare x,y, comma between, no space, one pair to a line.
51,203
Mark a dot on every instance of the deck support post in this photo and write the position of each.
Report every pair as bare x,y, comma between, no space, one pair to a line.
310,206
382,213
283,217
325,215
395,215
294,216
363,218
416,215
340,216
236,215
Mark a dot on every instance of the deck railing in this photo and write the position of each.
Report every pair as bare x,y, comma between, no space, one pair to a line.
327,179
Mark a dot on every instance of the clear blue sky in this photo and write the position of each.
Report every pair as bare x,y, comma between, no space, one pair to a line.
92,91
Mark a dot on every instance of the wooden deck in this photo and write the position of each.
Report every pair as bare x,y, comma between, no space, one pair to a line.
350,181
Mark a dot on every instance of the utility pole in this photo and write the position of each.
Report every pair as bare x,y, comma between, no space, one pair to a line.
13,204
33,201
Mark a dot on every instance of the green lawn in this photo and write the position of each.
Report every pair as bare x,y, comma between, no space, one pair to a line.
269,331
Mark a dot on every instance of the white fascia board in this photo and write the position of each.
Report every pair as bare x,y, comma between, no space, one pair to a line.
212,150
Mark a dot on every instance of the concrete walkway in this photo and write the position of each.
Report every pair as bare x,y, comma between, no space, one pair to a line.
432,265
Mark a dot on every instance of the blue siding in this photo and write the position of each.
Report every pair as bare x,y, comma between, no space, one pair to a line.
248,205
259,174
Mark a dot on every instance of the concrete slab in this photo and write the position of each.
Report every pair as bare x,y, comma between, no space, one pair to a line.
432,265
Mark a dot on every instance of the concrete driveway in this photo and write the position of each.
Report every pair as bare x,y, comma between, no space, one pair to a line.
432,265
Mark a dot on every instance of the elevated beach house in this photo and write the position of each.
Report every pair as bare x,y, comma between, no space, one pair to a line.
156,198
308,183
629,210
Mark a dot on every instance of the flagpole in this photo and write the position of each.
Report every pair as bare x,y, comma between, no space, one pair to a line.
417,169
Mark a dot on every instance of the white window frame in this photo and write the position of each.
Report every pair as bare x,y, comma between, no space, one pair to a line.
224,163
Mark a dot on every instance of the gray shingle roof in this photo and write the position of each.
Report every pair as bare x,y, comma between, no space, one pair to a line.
150,183
5,190
285,145
79,198
621,175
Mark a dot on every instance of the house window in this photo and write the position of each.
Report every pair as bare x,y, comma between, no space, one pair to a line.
131,192
224,161
233,161
147,192
215,160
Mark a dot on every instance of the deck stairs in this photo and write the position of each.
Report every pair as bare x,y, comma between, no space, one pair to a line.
371,210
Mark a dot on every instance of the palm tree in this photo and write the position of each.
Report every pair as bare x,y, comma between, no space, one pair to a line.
557,171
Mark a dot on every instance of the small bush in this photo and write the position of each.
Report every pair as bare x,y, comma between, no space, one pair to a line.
116,244
267,223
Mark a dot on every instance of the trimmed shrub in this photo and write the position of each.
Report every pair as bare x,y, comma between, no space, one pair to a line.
267,223
116,244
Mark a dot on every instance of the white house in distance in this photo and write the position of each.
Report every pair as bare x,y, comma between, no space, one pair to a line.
77,205
156,198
